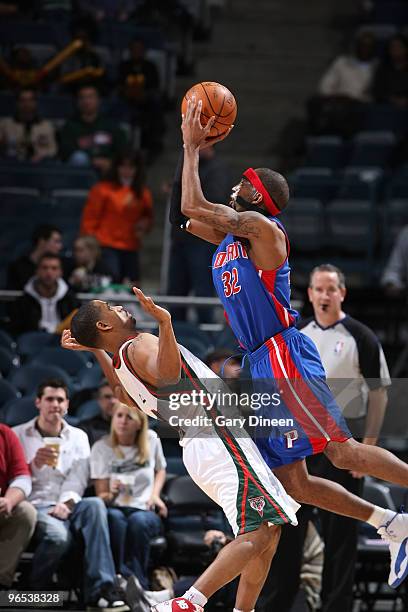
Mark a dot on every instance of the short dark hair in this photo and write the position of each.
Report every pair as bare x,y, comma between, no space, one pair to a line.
48,256
327,267
55,383
83,325
104,383
43,232
221,353
276,185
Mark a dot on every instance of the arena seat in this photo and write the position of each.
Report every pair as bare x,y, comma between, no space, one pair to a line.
70,361
226,339
7,392
7,341
175,466
325,151
186,328
318,183
19,410
372,149
304,222
27,378
395,217
46,177
89,378
390,11
386,117
87,410
30,343
8,361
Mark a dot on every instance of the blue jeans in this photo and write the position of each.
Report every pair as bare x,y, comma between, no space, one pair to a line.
131,531
55,537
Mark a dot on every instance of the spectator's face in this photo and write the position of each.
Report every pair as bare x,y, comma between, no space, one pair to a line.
82,253
52,405
53,244
325,293
107,401
88,101
365,47
397,50
126,172
27,104
49,271
122,422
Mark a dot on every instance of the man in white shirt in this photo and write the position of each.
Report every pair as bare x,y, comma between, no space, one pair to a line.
58,457
357,373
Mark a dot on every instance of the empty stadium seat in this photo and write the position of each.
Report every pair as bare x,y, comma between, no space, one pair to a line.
8,361
303,220
27,378
176,466
89,378
372,149
314,183
87,410
31,343
325,151
53,106
7,392
386,117
71,362
351,226
46,177
20,410
7,341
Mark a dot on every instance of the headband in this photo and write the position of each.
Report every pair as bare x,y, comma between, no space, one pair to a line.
256,182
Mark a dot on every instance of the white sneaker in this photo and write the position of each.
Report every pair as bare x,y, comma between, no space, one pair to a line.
396,529
399,563
179,604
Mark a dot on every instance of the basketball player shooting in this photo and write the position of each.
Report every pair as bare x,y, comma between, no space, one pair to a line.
145,372
251,276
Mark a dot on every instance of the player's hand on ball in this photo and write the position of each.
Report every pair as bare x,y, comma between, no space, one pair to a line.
194,134
157,312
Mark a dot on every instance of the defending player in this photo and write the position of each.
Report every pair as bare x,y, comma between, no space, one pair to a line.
146,370
251,277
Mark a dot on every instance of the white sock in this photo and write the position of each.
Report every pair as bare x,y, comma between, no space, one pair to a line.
155,597
236,610
380,516
195,597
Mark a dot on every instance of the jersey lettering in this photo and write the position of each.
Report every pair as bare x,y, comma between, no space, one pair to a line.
230,281
234,251
291,436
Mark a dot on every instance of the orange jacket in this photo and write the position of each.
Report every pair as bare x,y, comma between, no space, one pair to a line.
112,213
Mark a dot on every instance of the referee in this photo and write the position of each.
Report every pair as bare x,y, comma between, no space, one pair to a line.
358,376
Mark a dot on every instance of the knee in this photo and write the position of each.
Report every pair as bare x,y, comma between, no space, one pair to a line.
25,515
344,455
145,522
93,508
265,538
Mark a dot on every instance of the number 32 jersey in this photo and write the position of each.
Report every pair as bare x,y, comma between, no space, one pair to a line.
256,302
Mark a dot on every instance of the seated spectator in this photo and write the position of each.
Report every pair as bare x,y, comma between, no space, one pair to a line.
26,136
129,469
88,272
47,302
139,84
20,71
100,425
343,89
45,239
58,457
84,67
391,77
119,212
395,275
91,138
17,516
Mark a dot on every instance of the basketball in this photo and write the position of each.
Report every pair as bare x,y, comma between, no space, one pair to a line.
217,101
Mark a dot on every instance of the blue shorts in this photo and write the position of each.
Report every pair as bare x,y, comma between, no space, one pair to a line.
304,412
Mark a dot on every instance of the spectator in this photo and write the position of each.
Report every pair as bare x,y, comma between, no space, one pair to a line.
45,239
88,272
17,516
343,90
190,257
358,376
118,213
391,77
85,66
21,71
139,84
395,275
91,138
60,470
129,471
26,136
100,424
47,301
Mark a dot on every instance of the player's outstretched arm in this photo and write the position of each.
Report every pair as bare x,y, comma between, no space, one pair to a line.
194,205
159,362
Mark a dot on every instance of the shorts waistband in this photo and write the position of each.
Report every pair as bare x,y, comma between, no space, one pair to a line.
280,338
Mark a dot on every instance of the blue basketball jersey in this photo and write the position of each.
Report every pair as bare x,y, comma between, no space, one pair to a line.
256,302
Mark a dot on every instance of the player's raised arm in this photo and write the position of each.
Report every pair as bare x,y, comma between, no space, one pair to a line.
160,362
194,205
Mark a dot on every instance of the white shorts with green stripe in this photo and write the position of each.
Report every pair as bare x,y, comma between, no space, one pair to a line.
231,471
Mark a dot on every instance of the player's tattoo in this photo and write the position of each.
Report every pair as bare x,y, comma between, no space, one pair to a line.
230,222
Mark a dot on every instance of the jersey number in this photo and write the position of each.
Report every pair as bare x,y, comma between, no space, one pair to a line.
230,281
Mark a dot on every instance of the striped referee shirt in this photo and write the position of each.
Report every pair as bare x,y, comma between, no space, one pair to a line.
353,359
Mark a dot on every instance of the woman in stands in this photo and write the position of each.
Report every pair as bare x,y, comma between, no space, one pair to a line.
119,212
88,271
129,470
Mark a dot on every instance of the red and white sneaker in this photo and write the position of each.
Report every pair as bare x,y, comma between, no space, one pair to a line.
179,604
